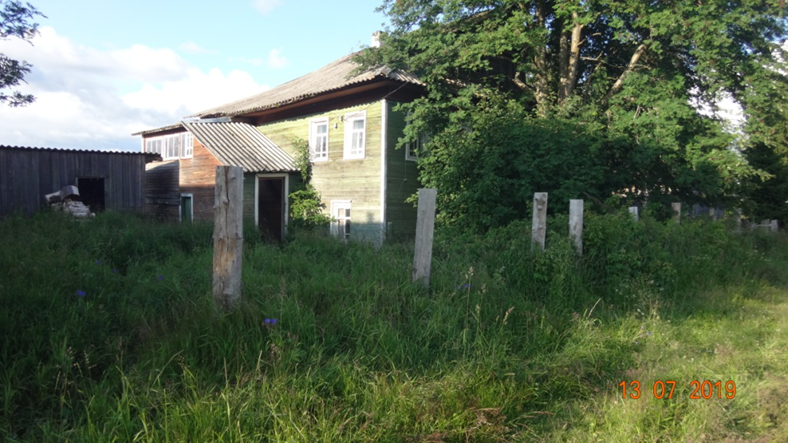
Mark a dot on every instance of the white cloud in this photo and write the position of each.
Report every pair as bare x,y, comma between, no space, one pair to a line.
194,48
266,6
196,92
79,103
275,59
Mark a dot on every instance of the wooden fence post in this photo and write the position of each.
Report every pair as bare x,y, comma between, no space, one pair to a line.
634,211
676,211
227,236
576,224
539,224
425,227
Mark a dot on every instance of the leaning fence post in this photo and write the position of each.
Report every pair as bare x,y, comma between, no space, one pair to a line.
676,211
634,211
425,227
576,224
539,224
227,236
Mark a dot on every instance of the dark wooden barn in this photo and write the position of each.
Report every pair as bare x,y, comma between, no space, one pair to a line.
106,179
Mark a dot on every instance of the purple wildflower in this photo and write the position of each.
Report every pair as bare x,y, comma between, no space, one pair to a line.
81,293
161,277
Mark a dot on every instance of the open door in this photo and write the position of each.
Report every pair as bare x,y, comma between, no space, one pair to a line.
271,207
91,192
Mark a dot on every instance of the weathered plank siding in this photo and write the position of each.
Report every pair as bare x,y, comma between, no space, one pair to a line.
358,180
26,174
162,198
198,177
402,179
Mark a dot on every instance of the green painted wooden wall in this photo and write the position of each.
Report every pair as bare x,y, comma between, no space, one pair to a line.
401,181
339,179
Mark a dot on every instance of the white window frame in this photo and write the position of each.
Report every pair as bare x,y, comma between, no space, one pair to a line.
187,147
160,146
153,145
350,134
172,144
412,149
313,154
336,205
180,208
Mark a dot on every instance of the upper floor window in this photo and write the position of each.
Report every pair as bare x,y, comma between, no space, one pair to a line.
168,146
318,139
355,134
171,143
153,145
188,145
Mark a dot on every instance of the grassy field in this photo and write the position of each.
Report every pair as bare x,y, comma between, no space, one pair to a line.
108,333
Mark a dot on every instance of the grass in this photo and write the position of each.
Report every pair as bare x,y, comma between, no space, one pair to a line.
108,333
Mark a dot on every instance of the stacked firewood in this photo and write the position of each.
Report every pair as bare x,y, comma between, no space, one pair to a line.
67,200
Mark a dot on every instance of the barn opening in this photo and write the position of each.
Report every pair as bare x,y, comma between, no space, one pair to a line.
271,207
91,192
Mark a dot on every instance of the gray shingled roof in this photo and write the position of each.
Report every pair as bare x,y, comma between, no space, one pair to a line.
241,144
333,76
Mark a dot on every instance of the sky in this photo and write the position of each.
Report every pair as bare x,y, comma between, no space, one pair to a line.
103,70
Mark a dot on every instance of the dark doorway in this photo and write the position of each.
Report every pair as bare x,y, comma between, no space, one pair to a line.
271,207
91,192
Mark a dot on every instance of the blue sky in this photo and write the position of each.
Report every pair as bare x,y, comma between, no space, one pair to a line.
102,70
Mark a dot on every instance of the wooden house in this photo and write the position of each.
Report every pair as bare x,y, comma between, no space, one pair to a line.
106,179
351,127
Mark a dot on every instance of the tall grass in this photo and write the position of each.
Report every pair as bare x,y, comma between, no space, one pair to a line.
108,332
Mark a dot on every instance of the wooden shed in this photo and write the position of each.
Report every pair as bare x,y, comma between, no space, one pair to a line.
106,179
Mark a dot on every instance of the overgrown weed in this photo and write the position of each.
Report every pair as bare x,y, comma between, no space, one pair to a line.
108,331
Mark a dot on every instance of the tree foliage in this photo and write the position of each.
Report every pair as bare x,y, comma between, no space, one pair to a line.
307,208
578,97
16,20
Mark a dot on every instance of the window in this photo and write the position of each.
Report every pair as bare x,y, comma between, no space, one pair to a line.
318,139
153,145
187,207
355,134
171,143
166,145
413,149
188,145
340,218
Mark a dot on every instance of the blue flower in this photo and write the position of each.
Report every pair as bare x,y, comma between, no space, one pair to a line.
270,321
115,270
273,321
81,293
97,262
161,277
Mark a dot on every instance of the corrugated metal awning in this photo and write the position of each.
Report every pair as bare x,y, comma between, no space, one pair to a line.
241,144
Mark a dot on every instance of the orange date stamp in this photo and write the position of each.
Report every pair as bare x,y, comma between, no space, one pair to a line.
699,390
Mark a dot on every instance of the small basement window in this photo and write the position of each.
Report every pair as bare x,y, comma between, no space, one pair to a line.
340,219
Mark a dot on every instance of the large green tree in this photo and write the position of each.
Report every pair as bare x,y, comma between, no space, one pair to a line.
577,97
16,20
